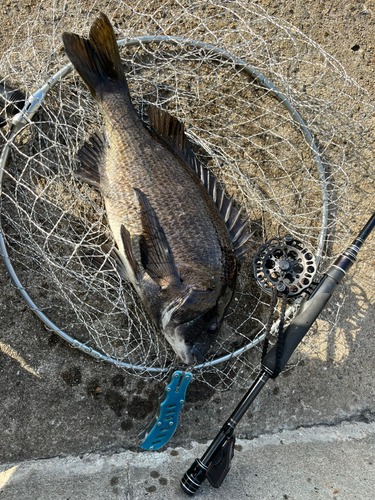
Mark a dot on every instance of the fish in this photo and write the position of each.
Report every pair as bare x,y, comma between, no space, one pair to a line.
178,235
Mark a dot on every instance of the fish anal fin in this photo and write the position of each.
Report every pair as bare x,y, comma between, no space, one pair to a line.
156,255
92,156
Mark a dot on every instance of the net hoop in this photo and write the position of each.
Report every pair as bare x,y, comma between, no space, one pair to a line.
32,104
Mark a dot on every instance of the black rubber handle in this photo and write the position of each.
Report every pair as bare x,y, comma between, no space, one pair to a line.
301,324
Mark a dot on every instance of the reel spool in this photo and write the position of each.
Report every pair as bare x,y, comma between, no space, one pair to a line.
285,263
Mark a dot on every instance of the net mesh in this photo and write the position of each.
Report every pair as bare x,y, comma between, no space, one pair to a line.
236,126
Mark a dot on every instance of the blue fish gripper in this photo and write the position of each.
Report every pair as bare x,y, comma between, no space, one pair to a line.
164,423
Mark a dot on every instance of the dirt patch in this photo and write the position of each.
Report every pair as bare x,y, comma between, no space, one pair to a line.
72,377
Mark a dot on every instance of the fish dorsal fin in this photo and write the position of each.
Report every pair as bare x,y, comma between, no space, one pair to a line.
172,132
92,156
156,255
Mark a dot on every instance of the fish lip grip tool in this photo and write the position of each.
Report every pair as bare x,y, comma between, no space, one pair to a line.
164,423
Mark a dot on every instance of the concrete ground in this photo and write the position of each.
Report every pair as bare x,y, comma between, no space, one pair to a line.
318,463
69,425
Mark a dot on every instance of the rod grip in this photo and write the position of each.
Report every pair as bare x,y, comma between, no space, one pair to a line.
193,478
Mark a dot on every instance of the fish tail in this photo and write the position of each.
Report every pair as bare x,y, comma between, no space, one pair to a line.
97,59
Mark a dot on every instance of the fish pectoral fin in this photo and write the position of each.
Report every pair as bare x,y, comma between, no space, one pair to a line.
92,156
156,255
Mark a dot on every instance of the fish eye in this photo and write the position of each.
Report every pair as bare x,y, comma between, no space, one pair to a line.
212,328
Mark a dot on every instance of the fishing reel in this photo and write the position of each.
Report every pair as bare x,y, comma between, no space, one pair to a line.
285,263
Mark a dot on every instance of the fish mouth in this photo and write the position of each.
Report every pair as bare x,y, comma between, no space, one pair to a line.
190,340
199,351
198,354
195,355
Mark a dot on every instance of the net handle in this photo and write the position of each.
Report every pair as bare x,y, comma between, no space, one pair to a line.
32,104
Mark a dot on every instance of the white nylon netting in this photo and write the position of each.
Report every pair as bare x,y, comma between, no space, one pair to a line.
236,126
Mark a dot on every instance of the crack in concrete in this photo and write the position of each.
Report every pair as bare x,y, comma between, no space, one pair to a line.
365,416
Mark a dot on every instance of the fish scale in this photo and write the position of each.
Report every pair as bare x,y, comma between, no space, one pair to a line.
181,202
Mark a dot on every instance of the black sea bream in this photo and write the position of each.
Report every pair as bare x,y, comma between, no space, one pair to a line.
177,234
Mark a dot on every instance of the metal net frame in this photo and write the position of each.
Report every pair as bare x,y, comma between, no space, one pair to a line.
271,114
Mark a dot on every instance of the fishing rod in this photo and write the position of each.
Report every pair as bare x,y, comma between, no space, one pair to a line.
214,465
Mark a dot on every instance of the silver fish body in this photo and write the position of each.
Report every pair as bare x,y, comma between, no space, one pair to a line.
173,241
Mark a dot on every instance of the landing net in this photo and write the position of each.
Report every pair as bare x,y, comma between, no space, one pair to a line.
274,117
